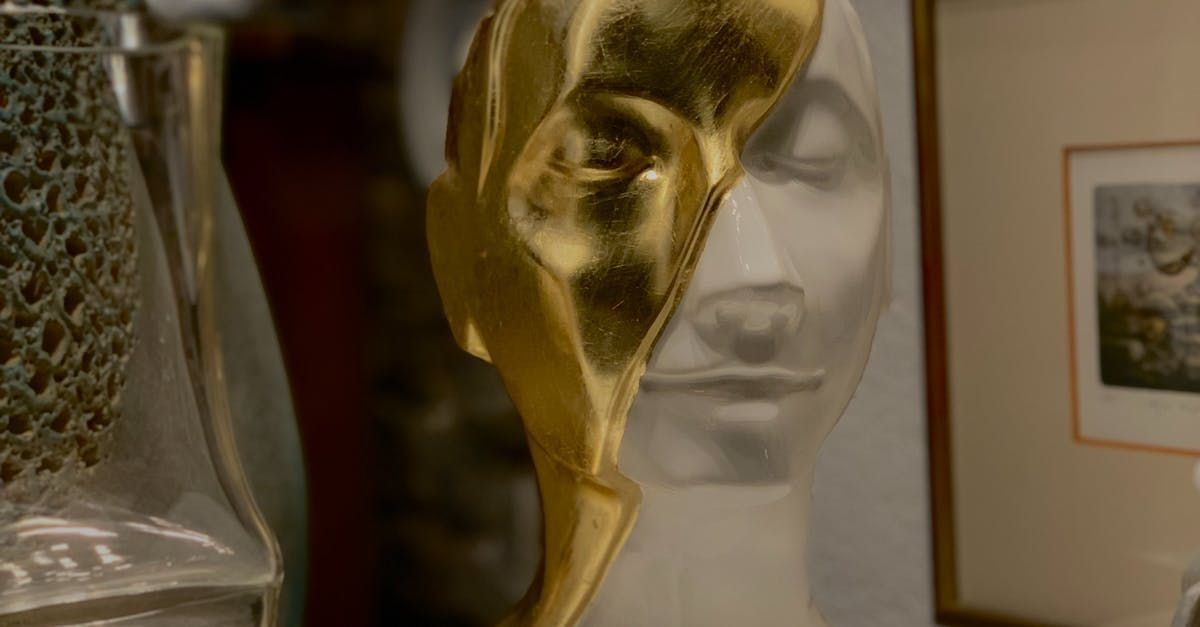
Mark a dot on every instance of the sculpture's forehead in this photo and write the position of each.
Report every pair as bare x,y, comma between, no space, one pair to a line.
703,58
840,68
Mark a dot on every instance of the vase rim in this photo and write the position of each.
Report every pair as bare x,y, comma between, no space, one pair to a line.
165,37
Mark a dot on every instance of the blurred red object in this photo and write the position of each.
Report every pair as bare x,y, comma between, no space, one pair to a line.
294,132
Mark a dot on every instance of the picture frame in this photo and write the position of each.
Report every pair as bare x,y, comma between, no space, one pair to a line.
1025,489
1132,215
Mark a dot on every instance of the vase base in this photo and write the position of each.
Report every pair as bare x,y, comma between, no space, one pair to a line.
179,608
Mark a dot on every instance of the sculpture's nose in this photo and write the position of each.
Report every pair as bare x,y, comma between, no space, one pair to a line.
747,304
751,324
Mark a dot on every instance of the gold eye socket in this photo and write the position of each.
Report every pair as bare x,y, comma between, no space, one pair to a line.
600,157
604,153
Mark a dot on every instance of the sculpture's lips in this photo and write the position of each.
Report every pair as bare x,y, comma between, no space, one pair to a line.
737,381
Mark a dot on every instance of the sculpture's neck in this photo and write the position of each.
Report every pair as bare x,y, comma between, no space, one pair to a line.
730,555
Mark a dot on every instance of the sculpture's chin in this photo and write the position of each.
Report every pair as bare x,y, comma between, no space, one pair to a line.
681,441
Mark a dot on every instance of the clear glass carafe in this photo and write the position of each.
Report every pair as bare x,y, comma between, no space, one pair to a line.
122,497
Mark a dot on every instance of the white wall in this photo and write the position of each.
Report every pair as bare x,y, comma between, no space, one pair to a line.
870,553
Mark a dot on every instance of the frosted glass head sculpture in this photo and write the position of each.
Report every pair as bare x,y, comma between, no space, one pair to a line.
685,194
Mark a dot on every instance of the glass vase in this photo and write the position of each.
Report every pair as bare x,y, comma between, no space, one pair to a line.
122,497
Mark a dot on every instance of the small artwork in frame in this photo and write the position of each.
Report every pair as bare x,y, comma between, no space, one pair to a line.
1133,225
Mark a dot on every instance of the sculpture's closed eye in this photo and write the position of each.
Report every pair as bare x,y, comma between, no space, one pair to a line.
817,151
828,139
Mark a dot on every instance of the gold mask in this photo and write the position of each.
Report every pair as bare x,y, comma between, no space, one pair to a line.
590,144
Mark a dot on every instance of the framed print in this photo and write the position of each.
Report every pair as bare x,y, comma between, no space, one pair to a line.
1133,230
1059,178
